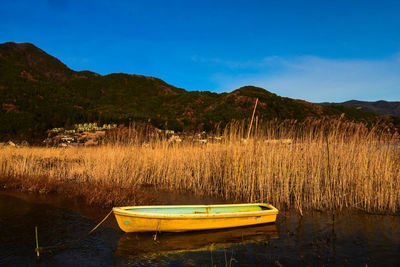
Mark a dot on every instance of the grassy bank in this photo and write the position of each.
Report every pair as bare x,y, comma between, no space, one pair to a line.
327,166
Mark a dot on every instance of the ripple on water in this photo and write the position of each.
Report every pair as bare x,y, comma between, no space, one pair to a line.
315,239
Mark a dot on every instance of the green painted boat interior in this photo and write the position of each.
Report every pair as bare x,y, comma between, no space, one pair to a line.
201,210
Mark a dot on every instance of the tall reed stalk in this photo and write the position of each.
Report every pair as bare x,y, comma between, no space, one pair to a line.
312,165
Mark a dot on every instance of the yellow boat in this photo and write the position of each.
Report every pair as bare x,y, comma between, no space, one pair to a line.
192,217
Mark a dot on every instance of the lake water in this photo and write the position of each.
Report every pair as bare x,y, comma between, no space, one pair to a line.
315,239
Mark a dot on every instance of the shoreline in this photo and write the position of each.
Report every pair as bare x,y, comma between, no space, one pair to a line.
73,194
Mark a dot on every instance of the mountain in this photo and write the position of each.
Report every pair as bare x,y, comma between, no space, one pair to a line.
39,92
381,106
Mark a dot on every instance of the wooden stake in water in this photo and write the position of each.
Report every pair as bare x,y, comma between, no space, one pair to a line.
37,242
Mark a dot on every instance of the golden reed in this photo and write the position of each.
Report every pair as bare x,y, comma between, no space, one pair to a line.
320,165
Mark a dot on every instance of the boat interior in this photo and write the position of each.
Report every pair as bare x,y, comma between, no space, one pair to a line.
201,210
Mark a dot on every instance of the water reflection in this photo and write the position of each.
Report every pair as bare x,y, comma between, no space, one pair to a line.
316,239
133,245
18,219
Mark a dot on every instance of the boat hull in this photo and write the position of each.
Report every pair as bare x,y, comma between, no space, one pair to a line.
130,221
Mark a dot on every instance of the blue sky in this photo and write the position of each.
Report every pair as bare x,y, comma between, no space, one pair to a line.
312,50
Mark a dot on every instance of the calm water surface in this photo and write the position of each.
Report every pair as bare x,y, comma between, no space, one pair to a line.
316,239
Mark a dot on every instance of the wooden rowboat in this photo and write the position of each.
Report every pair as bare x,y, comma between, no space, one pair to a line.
192,217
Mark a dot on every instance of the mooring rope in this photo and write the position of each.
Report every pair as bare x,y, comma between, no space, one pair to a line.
67,244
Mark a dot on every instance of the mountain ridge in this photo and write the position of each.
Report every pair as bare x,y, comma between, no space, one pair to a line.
381,106
39,92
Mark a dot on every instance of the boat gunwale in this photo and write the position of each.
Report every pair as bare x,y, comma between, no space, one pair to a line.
123,211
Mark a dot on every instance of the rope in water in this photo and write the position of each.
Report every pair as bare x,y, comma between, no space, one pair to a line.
67,244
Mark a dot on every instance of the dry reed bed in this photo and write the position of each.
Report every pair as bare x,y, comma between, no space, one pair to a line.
348,168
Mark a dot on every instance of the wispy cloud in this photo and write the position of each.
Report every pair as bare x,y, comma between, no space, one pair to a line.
316,79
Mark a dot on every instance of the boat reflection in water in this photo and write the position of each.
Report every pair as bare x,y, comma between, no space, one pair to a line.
139,245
